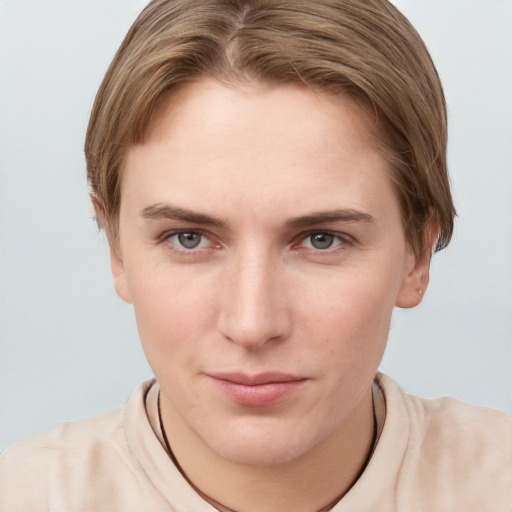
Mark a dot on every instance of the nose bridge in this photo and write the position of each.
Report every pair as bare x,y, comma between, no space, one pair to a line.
253,310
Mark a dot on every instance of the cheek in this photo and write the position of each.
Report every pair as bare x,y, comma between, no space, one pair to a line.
173,314
349,318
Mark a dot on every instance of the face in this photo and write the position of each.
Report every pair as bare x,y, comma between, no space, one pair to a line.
262,247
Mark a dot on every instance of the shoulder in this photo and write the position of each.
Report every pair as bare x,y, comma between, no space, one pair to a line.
456,429
457,452
30,466
58,466
69,435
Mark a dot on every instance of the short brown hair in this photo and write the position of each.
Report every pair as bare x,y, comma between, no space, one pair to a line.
363,48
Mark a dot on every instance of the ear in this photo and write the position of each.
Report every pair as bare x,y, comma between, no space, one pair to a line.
99,210
116,262
119,274
415,282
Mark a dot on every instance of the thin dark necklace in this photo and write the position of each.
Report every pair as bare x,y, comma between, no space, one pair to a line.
166,441
225,509
366,461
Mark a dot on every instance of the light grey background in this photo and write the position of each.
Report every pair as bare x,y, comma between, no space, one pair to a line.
69,346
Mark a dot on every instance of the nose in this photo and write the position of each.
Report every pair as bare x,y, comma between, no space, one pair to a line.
254,310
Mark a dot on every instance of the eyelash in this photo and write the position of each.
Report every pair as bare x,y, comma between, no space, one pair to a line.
342,241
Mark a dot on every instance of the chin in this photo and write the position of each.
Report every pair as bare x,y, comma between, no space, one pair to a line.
260,454
260,446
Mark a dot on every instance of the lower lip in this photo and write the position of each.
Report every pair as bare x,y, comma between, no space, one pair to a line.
260,395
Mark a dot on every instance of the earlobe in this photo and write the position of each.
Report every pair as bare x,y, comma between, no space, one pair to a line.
414,284
119,275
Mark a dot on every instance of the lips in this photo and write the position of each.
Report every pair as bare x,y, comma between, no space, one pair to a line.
260,390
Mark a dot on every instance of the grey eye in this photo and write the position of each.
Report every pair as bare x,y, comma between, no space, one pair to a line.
189,240
321,240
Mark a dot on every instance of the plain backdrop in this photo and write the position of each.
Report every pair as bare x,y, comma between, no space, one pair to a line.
69,347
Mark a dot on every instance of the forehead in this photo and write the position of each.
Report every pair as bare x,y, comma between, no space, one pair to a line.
258,146
211,105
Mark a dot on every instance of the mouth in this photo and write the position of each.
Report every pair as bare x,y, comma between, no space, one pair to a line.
260,390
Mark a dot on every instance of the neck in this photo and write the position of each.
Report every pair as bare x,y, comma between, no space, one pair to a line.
322,475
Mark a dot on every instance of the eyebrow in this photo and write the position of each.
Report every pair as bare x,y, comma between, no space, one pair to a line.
166,211
321,217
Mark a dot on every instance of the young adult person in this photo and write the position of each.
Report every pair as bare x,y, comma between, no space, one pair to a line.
271,176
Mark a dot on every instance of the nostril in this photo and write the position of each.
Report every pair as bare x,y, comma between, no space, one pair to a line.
254,326
250,336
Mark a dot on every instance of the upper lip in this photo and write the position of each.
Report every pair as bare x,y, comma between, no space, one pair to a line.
256,379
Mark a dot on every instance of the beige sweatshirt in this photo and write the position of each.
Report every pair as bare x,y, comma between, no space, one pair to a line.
433,455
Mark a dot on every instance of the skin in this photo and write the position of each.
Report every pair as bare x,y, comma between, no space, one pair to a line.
301,259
